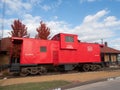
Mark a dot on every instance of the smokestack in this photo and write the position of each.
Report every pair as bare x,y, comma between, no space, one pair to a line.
106,44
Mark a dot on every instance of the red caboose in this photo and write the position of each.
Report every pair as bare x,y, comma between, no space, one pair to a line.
62,52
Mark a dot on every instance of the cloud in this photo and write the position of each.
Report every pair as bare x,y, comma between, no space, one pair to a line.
92,29
96,17
55,17
6,26
98,26
46,7
82,1
51,6
16,6
5,33
115,43
58,27
35,2
112,21
32,22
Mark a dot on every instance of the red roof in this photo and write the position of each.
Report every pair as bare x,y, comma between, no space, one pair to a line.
106,49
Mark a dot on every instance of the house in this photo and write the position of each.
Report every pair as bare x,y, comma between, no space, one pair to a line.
109,56
5,45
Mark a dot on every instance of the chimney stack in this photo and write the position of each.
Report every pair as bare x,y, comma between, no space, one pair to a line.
106,44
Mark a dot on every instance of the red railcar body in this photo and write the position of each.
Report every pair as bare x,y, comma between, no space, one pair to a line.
61,49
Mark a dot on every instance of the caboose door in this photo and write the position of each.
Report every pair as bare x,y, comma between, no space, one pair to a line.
55,57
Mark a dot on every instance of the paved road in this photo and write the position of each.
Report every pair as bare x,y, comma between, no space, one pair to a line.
110,84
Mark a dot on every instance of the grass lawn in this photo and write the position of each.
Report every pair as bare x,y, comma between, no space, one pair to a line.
35,86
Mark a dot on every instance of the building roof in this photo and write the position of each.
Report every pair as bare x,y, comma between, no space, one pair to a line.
106,49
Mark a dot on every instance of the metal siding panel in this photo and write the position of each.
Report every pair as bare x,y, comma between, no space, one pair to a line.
81,55
68,45
31,52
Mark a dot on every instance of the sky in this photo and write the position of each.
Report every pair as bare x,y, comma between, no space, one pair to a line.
91,20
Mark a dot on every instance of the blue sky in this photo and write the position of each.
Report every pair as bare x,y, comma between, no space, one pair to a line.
91,20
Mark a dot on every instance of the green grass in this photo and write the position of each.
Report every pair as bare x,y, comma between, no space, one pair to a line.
35,86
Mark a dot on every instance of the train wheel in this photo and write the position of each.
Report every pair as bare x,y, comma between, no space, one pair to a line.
92,67
33,70
42,71
86,67
24,72
98,67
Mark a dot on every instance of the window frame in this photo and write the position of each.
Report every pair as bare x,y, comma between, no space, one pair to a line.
43,49
69,39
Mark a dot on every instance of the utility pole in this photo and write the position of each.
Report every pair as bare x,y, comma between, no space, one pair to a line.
101,41
2,21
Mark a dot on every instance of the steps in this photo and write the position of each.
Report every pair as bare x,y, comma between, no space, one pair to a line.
15,67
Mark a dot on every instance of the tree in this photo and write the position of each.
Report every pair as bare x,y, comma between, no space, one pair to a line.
19,29
43,31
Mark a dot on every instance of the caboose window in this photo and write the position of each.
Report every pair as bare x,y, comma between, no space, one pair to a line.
69,39
43,49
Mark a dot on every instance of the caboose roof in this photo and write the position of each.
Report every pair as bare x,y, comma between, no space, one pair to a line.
68,34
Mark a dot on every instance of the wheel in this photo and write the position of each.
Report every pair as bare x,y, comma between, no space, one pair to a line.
98,67
33,70
86,67
92,67
42,70
24,72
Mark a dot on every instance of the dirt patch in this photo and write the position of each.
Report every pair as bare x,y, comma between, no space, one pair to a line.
74,77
